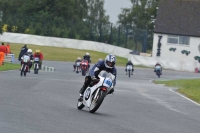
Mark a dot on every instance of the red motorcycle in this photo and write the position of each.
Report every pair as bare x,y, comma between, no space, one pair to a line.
84,67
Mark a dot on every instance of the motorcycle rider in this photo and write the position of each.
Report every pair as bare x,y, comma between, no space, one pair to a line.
39,54
22,52
158,64
25,57
88,58
129,63
108,64
31,58
77,60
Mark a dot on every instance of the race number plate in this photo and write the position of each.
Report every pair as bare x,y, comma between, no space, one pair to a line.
107,82
36,59
26,59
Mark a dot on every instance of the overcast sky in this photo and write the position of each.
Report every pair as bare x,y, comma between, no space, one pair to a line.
113,8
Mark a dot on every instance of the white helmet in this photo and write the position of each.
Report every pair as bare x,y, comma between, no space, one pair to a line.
79,58
100,59
87,53
110,61
29,51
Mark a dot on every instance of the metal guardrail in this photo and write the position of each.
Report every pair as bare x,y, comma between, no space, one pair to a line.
9,58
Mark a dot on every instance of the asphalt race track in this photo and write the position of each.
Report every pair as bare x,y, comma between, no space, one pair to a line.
46,103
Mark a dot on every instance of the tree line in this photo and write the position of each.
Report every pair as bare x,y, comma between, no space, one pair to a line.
76,19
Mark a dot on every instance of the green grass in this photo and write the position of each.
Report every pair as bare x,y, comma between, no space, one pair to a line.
65,54
189,88
8,66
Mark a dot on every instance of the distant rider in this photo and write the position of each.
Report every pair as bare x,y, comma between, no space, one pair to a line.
25,59
24,49
108,64
77,60
39,54
158,64
31,58
129,63
88,58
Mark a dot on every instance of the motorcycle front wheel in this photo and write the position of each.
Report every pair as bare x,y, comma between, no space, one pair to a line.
96,102
22,69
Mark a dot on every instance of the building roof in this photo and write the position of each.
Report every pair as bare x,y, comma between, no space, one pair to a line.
178,17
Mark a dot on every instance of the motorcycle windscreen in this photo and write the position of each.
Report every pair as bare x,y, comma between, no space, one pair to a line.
78,63
158,68
107,75
129,67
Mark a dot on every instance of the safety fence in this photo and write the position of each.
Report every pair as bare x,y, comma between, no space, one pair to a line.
47,68
9,58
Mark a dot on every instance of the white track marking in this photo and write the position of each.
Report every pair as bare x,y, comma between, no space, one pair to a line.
185,97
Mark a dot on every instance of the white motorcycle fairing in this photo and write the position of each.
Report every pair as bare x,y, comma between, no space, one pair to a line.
129,67
90,96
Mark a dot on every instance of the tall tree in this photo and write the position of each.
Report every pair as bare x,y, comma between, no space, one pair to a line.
97,18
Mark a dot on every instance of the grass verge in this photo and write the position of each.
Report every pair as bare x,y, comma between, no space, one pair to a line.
8,66
66,54
189,87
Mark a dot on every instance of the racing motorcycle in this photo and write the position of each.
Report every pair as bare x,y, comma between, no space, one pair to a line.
36,65
84,67
158,71
78,67
96,92
25,65
129,70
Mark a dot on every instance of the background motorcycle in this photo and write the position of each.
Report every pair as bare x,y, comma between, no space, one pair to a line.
84,67
36,65
25,66
129,70
78,67
158,71
97,91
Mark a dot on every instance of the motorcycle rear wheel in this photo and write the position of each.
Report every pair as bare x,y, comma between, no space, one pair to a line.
96,103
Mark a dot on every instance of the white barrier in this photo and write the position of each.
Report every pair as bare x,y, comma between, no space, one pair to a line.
46,68
63,42
179,65
9,58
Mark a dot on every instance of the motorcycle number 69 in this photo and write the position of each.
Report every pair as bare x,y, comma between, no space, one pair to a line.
107,82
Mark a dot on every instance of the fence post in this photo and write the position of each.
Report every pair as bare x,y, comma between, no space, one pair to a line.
110,39
100,37
118,42
126,37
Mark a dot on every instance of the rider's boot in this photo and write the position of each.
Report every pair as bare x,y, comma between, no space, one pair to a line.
81,93
81,98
